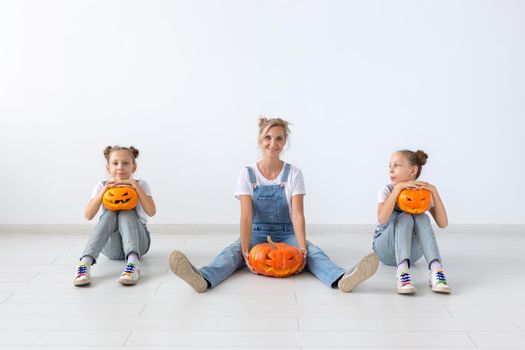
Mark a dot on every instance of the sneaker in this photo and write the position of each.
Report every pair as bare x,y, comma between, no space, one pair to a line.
82,276
364,269
181,266
404,283
130,275
438,282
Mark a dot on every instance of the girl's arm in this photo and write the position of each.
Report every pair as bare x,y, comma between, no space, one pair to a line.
298,221
384,210
147,202
94,203
438,210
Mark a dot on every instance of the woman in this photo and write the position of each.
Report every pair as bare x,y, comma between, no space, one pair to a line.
271,193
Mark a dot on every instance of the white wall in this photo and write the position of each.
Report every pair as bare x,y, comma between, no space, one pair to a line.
184,81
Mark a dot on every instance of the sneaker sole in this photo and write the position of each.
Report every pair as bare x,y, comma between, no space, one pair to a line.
128,282
406,291
365,269
81,283
181,266
440,290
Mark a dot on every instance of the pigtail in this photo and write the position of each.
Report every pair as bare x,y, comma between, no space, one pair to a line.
107,152
134,152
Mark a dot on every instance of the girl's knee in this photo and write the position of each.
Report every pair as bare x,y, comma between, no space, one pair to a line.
422,219
405,218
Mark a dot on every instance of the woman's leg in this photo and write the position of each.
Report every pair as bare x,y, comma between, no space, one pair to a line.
318,263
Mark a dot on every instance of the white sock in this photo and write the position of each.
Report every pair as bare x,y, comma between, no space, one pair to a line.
435,265
133,258
86,260
403,266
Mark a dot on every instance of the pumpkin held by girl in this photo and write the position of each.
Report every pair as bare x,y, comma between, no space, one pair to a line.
120,198
414,201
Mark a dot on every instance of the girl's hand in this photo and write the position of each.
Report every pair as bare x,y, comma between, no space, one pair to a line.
428,186
416,184
126,183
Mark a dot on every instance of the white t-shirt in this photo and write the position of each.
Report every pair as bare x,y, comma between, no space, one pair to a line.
384,192
140,211
294,185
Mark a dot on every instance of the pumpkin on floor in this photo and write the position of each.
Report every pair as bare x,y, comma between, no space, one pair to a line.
275,259
414,201
120,198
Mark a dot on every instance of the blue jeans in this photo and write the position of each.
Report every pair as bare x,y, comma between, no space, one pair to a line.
405,237
116,235
231,259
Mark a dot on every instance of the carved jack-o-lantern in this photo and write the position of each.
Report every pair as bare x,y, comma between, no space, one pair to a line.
120,198
275,259
414,201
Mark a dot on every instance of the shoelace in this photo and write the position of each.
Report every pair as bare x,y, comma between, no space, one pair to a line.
405,279
440,277
130,268
81,271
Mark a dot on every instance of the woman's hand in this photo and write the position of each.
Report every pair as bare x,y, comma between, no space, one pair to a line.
247,262
304,252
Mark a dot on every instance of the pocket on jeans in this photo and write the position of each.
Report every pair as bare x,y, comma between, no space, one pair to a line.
379,230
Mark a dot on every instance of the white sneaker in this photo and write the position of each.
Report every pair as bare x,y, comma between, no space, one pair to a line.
181,266
438,282
364,269
82,275
130,275
404,283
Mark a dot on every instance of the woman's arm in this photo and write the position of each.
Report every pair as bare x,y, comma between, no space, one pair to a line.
246,224
298,220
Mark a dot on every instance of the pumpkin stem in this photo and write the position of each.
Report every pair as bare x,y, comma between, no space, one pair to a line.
272,244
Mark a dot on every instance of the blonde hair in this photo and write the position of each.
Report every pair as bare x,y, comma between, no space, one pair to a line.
266,123
132,151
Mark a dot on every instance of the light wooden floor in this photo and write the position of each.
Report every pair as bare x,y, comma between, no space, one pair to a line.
41,309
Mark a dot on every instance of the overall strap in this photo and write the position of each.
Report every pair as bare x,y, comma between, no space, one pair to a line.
285,174
251,175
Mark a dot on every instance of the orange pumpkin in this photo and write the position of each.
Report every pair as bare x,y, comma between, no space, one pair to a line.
120,198
414,201
275,259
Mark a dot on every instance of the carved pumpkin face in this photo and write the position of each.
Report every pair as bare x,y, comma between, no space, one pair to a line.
414,201
120,198
275,259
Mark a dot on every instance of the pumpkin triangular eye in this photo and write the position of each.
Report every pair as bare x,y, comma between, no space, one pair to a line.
126,194
409,199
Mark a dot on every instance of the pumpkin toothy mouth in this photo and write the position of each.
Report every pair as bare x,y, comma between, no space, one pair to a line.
121,201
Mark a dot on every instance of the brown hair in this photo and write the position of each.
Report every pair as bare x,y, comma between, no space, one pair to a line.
266,123
417,158
132,151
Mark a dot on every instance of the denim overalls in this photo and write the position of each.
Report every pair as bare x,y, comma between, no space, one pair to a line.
405,236
117,234
270,217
